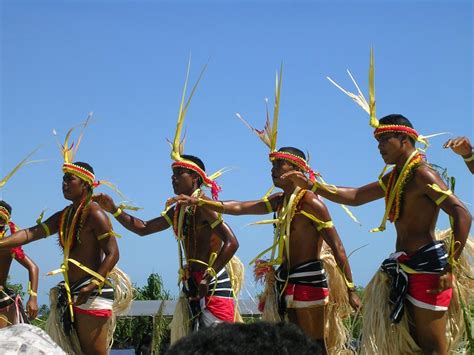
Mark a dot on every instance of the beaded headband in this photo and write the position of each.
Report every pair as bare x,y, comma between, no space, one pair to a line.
206,180
394,128
177,146
80,172
296,160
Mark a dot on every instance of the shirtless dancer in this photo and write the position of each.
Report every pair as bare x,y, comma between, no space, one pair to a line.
10,303
414,194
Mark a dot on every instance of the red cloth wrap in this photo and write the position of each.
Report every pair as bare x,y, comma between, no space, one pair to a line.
222,308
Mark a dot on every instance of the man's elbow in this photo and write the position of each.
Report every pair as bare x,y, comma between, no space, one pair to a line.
233,245
463,218
236,245
141,232
464,215
468,219
34,269
114,257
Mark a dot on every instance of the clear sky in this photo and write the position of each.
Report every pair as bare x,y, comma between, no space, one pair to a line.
126,62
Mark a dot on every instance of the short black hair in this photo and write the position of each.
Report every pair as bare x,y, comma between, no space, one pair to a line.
6,205
294,151
240,338
398,120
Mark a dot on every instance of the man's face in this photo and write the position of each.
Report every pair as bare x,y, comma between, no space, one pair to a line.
280,167
183,181
390,145
73,187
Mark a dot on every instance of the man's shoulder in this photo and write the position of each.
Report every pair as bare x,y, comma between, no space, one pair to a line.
95,211
425,174
311,200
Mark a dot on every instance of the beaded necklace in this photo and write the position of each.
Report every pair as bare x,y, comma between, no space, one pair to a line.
401,180
183,219
71,223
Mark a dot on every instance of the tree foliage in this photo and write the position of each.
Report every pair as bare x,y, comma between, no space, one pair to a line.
131,331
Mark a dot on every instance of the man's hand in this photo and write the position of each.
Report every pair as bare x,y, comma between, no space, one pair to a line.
185,200
445,282
354,301
84,294
460,145
32,307
297,178
105,202
203,288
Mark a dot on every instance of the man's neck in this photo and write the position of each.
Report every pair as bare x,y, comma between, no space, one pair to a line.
288,191
76,203
403,158
193,190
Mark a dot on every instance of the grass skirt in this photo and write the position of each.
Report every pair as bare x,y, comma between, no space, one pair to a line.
379,336
123,294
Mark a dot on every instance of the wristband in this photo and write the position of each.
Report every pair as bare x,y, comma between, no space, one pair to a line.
470,158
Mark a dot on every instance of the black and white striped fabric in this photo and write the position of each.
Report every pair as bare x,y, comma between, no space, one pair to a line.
107,293
222,289
432,258
310,273
8,297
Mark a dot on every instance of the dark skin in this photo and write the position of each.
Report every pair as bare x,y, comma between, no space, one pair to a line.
100,256
412,233
462,147
305,241
202,241
5,263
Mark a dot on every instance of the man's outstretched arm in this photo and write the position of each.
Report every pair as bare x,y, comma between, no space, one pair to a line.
352,196
256,207
28,235
132,223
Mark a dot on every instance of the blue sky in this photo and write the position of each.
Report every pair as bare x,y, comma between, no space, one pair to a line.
126,62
